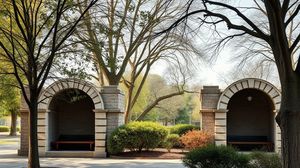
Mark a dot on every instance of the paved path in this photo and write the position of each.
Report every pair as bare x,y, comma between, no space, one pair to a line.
9,159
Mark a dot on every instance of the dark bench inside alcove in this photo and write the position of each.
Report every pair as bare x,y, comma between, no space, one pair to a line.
74,142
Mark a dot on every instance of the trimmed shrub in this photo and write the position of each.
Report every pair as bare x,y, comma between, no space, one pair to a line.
181,129
171,141
4,129
216,157
18,129
194,139
136,136
265,160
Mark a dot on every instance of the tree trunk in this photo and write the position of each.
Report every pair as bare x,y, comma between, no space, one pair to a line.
13,124
128,105
112,79
33,155
289,122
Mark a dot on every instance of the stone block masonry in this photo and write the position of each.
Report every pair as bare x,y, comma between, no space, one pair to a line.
109,114
214,107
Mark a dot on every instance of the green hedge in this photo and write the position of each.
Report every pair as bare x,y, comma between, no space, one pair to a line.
7,128
172,140
181,129
4,129
216,157
136,136
265,160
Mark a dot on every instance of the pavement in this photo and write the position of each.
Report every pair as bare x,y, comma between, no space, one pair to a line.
10,159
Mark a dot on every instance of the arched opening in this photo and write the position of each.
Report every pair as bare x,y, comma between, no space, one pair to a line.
250,120
71,121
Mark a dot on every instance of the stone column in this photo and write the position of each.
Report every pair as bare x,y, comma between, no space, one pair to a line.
24,139
100,133
113,100
42,125
23,151
208,120
277,136
221,127
209,101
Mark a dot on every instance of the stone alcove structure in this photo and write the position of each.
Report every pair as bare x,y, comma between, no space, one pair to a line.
98,112
246,108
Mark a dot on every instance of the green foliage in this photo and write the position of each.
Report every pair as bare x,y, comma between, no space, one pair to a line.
172,140
216,157
185,112
265,160
143,98
136,136
181,129
9,94
4,129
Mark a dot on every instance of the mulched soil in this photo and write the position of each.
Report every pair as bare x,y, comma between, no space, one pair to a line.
158,153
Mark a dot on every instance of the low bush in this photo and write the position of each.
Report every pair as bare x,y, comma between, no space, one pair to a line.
216,157
4,129
265,160
194,139
172,140
181,129
136,136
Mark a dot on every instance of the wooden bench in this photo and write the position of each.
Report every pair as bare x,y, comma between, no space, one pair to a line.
269,145
74,139
251,140
90,143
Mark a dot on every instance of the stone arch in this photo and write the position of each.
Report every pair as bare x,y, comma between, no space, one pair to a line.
69,83
222,106
250,83
44,113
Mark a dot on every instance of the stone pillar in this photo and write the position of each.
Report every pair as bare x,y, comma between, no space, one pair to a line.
277,136
100,133
23,151
221,127
209,100
42,125
113,100
24,114
208,121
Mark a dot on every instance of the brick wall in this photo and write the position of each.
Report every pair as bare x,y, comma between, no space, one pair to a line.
24,134
208,121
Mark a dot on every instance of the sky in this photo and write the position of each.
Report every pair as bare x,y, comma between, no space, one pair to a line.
206,73
220,71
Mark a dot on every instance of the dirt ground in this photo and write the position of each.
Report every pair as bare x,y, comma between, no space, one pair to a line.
158,153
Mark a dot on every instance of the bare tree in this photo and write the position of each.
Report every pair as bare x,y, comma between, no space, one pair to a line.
282,49
124,40
257,52
31,34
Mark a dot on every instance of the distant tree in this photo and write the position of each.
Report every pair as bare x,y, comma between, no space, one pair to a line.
31,34
185,112
10,100
166,91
